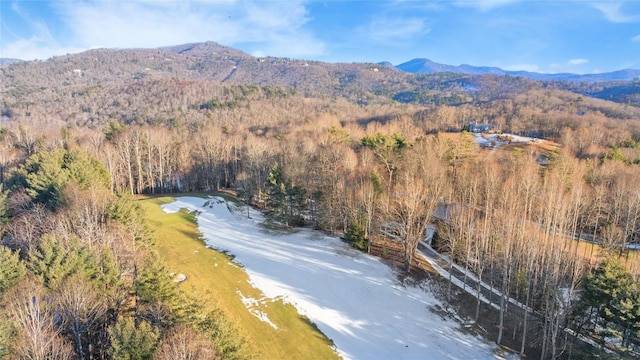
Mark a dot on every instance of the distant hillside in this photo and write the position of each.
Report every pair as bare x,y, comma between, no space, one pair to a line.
426,66
209,61
626,93
206,61
7,61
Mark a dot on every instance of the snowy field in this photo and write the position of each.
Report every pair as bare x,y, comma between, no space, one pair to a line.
353,298
494,140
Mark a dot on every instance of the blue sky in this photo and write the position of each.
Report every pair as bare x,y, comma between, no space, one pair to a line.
545,36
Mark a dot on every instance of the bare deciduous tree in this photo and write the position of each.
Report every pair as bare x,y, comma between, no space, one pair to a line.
184,343
38,335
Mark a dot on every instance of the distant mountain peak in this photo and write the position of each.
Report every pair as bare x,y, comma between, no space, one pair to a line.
386,64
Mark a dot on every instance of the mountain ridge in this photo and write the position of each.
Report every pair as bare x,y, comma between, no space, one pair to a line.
7,61
358,82
426,66
416,65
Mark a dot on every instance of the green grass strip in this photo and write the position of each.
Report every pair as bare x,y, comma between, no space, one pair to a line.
218,281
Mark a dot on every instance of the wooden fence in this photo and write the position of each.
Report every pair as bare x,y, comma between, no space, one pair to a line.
393,252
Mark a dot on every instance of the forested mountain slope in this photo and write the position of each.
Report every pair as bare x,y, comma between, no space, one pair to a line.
212,62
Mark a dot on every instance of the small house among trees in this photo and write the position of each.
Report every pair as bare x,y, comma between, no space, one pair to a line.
480,128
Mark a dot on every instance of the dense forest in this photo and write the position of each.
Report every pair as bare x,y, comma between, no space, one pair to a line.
364,152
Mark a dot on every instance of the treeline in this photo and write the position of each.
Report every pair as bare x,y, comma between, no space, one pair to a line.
79,276
512,221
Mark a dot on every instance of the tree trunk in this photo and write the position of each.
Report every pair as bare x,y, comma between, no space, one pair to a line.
502,310
526,317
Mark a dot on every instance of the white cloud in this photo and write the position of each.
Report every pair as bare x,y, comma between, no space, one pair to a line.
386,30
612,11
636,38
577,61
522,67
35,48
277,26
484,5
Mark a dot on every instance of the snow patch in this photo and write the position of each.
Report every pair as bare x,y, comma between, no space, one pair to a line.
353,298
253,305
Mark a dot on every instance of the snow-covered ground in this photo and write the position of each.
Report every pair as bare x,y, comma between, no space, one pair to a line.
495,140
353,298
